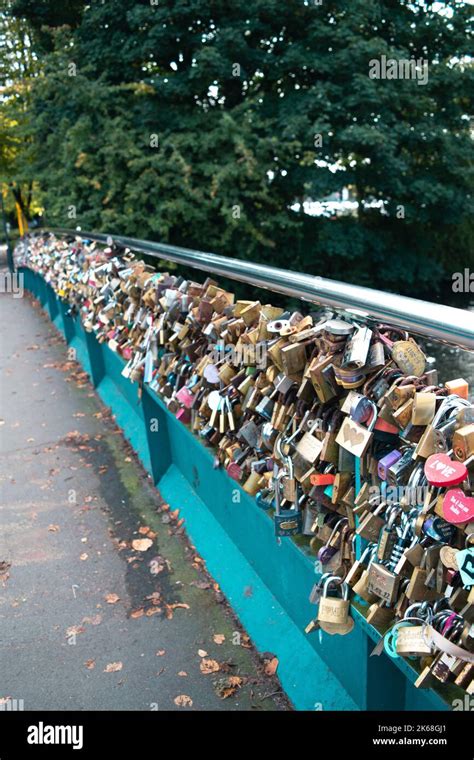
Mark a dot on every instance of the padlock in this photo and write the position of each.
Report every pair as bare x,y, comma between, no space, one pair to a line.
383,582
330,548
288,522
386,462
371,524
463,442
355,438
332,609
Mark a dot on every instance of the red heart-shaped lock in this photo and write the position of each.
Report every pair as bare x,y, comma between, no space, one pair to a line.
457,507
441,471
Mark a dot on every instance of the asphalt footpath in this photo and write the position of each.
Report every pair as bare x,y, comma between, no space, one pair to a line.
104,602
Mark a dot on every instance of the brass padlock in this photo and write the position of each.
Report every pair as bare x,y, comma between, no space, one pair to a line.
383,582
410,641
334,609
463,442
354,437
371,524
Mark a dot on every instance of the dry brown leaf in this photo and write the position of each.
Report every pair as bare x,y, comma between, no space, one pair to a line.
152,611
182,673
207,666
94,620
144,530
75,629
271,666
202,653
113,667
89,664
53,528
84,556
142,544
112,598
226,687
183,701
161,652
245,641
137,613
218,638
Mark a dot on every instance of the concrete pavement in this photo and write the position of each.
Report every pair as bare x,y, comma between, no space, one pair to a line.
88,620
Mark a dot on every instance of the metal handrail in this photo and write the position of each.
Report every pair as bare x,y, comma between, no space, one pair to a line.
435,321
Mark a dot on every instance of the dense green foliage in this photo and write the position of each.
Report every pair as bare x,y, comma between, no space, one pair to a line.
202,122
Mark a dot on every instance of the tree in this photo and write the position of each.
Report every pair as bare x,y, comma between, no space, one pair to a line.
18,68
203,122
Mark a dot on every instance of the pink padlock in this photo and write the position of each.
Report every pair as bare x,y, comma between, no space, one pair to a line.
234,471
185,397
183,415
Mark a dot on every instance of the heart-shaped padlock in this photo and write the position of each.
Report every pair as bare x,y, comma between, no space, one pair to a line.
458,508
443,472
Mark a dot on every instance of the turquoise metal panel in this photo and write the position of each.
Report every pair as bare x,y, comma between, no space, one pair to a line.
96,358
52,303
67,327
267,583
305,677
158,438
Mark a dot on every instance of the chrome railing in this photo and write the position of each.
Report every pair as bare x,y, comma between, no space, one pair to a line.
435,321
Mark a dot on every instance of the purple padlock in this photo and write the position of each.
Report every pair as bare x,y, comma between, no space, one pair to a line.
327,552
386,462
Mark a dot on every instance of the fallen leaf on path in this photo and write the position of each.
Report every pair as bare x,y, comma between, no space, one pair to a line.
219,638
226,687
161,652
207,666
142,544
53,528
84,556
183,701
157,565
153,611
112,598
144,530
182,673
137,613
271,666
94,620
202,653
113,667
89,664
73,630
200,584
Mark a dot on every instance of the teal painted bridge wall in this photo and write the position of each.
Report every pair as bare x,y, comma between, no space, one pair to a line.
266,583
